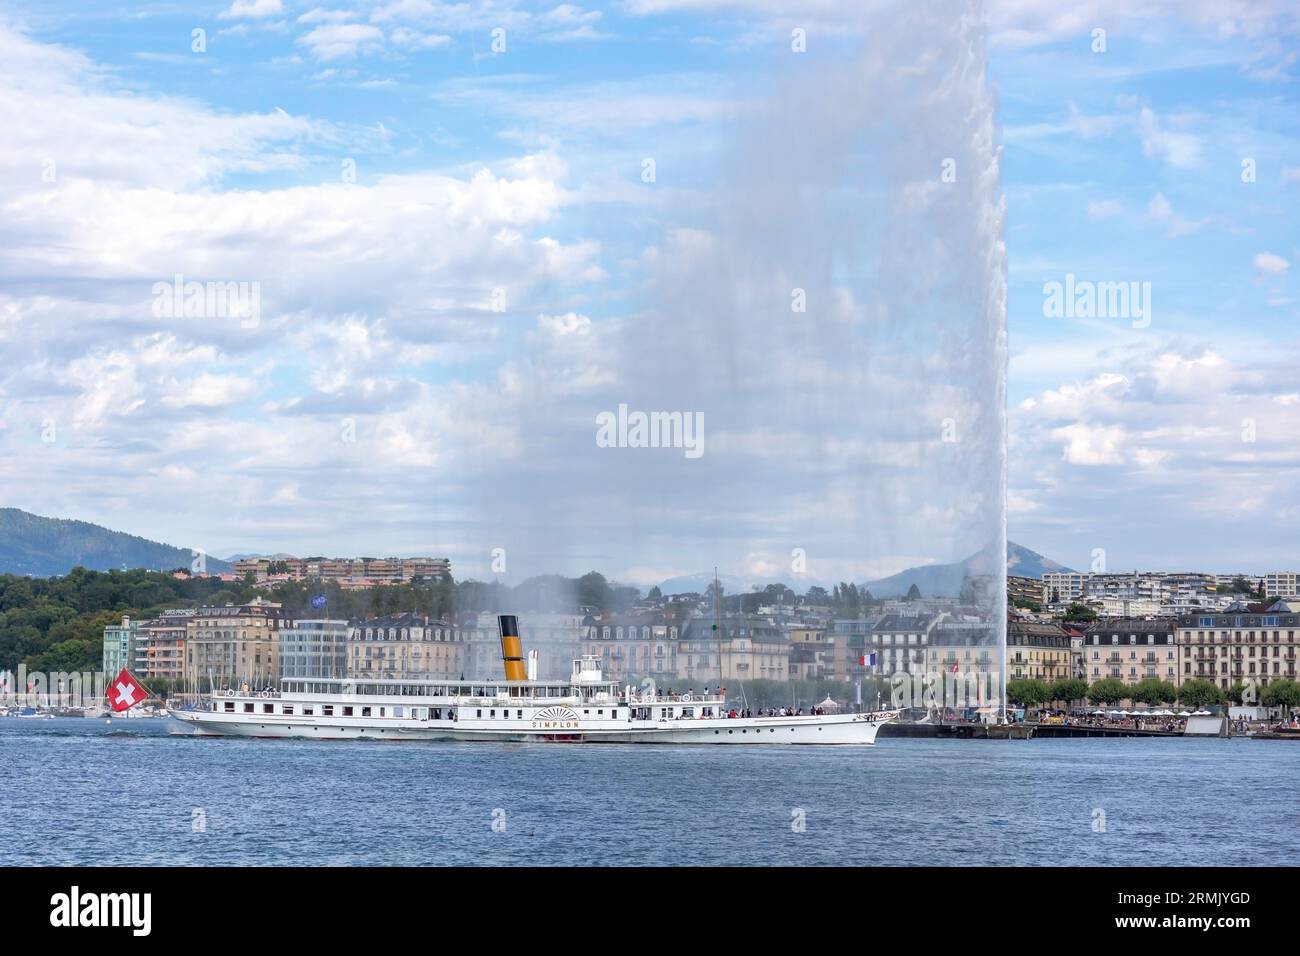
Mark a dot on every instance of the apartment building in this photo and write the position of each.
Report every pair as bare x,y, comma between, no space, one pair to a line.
235,643
1131,649
644,644
1232,648
347,572
1025,589
1038,651
315,648
1282,583
410,646
121,643
162,645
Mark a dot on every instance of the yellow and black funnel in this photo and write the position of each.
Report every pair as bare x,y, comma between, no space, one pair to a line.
512,651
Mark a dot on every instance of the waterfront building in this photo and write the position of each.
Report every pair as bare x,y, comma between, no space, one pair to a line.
314,648
900,642
1078,636
162,643
1131,649
410,646
752,649
1038,651
1238,647
235,643
964,647
812,656
634,646
121,643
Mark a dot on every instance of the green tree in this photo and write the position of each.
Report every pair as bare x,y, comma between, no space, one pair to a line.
594,591
1080,612
1236,693
1154,691
1069,689
1198,693
1108,690
1281,693
913,593
1028,692
655,594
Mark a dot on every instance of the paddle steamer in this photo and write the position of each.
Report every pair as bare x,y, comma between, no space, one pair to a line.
585,709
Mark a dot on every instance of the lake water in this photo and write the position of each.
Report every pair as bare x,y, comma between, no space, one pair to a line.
83,792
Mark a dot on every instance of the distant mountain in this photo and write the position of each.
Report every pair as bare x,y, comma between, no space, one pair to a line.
278,556
1024,563
699,582
944,580
42,547
933,580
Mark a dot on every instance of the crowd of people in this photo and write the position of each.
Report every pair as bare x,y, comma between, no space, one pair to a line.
776,712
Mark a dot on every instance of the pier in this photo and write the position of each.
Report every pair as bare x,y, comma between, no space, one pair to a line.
974,731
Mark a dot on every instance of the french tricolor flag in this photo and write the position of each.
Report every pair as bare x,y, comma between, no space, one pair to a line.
867,660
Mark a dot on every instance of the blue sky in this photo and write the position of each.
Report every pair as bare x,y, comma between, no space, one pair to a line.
1166,444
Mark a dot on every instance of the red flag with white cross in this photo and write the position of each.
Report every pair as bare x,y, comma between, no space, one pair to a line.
125,692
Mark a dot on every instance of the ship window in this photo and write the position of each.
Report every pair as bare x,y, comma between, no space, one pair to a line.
365,711
309,711
268,708
600,713
492,713
230,706
287,709
248,708
519,714
327,710
347,711
478,713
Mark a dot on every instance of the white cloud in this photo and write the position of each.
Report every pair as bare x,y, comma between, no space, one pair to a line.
339,41
1158,141
1160,210
1270,264
253,9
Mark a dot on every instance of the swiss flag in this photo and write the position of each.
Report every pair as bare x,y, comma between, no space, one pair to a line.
125,692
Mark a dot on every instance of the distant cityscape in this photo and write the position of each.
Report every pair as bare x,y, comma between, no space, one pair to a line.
1172,627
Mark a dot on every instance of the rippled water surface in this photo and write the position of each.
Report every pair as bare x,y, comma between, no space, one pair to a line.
80,791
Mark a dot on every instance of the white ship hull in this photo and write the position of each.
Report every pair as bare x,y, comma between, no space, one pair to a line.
842,729
584,709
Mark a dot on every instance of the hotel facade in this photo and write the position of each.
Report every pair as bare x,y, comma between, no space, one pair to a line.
1231,648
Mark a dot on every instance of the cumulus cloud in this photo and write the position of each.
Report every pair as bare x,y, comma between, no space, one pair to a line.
253,9
1271,264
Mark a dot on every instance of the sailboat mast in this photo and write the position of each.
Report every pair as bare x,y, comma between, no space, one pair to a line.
717,624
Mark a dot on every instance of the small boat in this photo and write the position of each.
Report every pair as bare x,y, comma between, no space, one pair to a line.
31,713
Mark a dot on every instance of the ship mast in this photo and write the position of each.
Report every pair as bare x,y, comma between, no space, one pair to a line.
717,622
